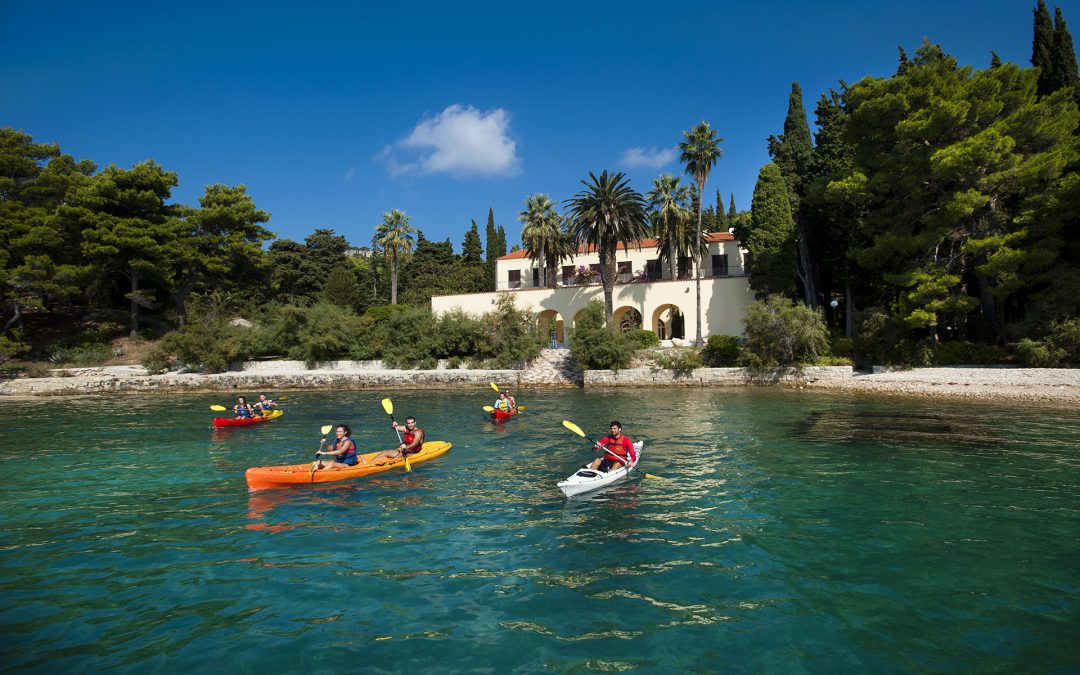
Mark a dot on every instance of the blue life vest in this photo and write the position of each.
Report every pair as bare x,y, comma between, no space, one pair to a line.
350,455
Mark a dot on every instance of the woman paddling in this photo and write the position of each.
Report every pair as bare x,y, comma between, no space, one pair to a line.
343,450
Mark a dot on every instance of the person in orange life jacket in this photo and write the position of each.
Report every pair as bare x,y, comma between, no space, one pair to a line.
618,450
242,409
412,441
343,450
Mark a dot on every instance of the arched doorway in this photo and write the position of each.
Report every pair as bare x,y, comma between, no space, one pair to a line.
667,322
551,325
627,319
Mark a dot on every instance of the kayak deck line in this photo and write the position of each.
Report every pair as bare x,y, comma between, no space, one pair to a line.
288,475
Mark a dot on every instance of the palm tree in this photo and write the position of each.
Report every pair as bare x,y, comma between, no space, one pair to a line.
395,235
608,212
668,201
543,236
700,151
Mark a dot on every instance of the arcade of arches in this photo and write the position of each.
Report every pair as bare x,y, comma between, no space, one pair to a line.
666,322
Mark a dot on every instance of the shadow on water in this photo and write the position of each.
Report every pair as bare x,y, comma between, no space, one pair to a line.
913,428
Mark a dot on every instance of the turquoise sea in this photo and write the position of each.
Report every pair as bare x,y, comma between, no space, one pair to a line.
792,532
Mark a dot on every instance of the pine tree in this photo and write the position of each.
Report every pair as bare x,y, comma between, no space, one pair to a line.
904,62
995,60
1042,48
341,287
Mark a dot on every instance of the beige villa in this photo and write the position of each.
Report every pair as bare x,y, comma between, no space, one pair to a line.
645,294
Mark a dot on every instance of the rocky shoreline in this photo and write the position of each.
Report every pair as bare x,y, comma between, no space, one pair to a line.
555,368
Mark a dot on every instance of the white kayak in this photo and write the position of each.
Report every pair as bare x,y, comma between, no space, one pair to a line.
587,480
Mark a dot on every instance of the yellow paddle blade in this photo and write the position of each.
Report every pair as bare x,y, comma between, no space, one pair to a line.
388,406
488,408
649,475
219,408
573,427
408,467
521,408
283,398
495,386
325,430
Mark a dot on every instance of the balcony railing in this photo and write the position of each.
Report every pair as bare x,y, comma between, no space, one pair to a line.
527,284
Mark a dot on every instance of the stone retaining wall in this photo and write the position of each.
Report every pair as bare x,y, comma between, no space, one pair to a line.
820,376
242,382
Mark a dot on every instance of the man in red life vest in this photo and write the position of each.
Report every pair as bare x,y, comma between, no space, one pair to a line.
618,450
412,441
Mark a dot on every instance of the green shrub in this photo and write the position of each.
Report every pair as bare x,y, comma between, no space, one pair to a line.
833,361
327,332
643,339
781,332
681,363
841,346
157,362
509,337
1066,336
80,356
594,346
1040,353
13,346
721,351
208,342
874,337
956,353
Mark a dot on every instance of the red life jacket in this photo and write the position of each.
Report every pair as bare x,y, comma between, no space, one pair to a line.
620,450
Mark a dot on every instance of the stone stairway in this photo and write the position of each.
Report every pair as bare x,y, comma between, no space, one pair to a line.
552,367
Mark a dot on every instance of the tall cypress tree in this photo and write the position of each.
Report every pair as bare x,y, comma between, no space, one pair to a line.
771,239
472,251
1042,47
721,219
490,251
500,238
1063,60
792,153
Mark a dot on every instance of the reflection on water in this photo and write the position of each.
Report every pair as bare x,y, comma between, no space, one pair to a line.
898,426
780,538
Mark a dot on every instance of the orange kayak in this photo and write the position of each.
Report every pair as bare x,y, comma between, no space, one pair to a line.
267,477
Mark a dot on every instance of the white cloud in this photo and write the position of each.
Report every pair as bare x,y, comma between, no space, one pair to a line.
349,174
460,139
652,157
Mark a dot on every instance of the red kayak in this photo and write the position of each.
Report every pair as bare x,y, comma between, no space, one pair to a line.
497,414
245,421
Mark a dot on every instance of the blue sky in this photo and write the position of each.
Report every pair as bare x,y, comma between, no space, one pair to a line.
333,114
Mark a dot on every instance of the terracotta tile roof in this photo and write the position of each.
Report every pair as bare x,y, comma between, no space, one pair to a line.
643,244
